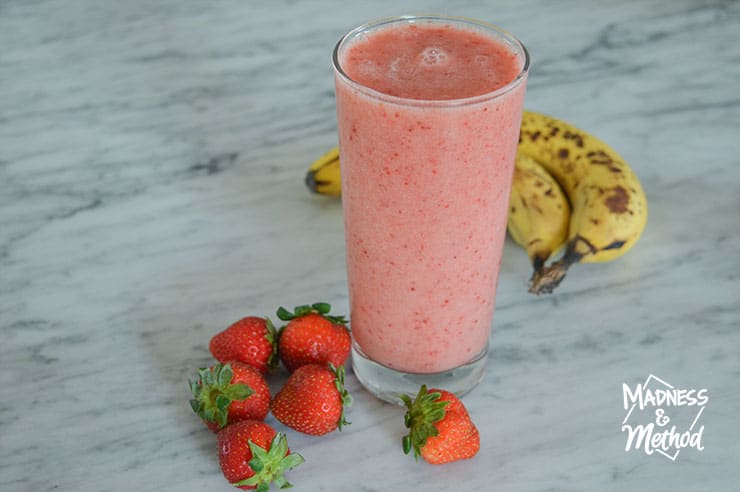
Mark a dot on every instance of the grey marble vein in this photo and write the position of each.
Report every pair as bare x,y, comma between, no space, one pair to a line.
151,192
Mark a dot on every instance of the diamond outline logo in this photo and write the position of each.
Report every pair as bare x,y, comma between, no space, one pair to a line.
650,378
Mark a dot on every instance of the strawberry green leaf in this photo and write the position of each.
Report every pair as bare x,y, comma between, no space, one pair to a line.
222,403
421,415
406,442
322,307
272,337
282,483
195,405
303,310
278,449
284,314
292,460
337,320
238,392
256,465
206,375
343,393
221,418
259,457
224,375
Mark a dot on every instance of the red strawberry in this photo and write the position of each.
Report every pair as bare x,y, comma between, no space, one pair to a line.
440,428
252,455
250,340
228,393
312,337
313,400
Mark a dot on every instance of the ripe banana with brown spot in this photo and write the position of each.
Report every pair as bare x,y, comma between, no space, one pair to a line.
539,212
608,202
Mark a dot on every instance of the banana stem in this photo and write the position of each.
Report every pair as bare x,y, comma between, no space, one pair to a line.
538,262
546,278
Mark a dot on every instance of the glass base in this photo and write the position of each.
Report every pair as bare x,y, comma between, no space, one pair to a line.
389,384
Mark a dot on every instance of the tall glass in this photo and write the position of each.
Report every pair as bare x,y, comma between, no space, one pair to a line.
425,193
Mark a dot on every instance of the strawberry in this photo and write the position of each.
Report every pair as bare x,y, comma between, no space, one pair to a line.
251,340
440,428
313,400
312,336
227,393
252,455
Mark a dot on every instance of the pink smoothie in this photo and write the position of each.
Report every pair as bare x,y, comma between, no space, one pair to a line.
425,183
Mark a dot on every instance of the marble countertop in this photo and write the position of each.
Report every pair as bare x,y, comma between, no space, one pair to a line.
151,192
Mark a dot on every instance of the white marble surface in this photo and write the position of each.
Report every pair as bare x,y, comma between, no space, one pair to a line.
151,165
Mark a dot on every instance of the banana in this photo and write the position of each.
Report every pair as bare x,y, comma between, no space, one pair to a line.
323,175
538,211
608,202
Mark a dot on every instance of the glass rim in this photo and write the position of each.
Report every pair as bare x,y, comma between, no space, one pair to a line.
407,101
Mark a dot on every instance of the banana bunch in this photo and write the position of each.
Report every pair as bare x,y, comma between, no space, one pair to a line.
569,189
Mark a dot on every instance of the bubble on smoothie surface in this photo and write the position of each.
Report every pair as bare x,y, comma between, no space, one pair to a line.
368,68
433,56
394,67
